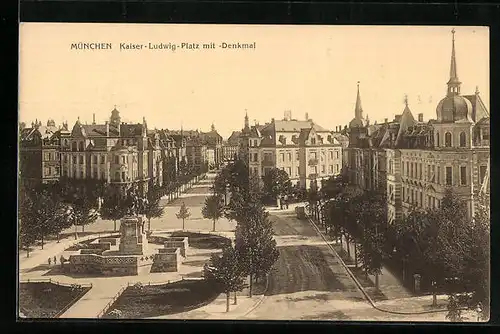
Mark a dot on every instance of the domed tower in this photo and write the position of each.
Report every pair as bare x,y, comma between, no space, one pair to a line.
454,112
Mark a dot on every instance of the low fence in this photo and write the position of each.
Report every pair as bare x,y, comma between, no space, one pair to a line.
129,284
50,280
111,302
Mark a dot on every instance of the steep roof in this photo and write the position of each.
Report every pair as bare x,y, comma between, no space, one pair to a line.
407,120
479,110
292,126
234,138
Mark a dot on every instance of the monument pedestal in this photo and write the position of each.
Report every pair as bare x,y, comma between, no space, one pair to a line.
132,241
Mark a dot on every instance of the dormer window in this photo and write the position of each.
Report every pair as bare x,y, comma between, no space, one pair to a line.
313,141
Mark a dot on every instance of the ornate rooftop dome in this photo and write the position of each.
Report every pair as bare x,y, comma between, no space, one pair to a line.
453,109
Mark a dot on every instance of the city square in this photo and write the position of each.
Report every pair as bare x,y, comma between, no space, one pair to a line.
289,219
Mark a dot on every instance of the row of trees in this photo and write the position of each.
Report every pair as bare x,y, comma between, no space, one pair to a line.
254,250
441,244
49,209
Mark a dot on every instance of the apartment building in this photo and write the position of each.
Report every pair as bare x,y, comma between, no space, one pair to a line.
306,151
414,162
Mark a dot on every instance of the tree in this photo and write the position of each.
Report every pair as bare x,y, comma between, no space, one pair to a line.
226,272
152,208
40,214
113,208
255,245
183,214
213,208
276,183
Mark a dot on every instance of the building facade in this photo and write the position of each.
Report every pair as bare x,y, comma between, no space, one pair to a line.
231,146
307,152
39,153
413,162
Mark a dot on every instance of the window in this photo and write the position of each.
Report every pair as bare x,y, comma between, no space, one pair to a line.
82,174
421,199
297,156
289,156
81,146
407,168
313,141
255,156
74,159
65,158
298,170
123,159
463,139
123,176
255,170
102,159
323,169
412,197
331,155
336,154
420,171
447,139
336,168
463,175
315,170
73,146
313,155
117,176
331,169
81,159
282,157
428,172
255,143
95,174
437,139
94,159
411,169
482,174
439,175
449,177
404,199
289,171
117,159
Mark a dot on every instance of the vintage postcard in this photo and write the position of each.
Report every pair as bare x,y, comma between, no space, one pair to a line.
254,172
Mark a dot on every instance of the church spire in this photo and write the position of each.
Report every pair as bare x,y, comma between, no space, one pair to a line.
454,82
247,125
358,111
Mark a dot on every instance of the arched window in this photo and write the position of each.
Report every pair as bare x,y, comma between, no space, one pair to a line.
437,139
447,139
81,146
462,139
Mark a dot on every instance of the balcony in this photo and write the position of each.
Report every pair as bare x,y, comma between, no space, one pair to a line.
313,162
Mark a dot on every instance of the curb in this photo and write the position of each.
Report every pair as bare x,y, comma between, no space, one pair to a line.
258,302
360,287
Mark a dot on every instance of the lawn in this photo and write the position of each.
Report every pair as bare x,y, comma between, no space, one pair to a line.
158,300
203,241
47,300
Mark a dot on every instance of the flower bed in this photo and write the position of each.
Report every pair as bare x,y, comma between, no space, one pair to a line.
151,301
47,300
203,241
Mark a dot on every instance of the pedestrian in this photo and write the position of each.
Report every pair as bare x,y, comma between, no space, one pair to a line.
285,199
50,261
61,260
55,259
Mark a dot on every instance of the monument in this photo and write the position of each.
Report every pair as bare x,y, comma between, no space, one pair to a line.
133,240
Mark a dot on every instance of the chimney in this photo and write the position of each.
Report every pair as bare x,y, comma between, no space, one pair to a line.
397,118
307,116
272,120
93,119
421,117
386,120
107,129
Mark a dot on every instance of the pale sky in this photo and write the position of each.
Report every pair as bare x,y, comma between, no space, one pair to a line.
305,69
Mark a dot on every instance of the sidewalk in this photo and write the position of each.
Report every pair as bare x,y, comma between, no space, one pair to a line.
94,301
50,250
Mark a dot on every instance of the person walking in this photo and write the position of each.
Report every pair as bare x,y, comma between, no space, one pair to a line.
50,261
55,259
285,200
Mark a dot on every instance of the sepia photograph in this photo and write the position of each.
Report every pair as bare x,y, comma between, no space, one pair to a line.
254,172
